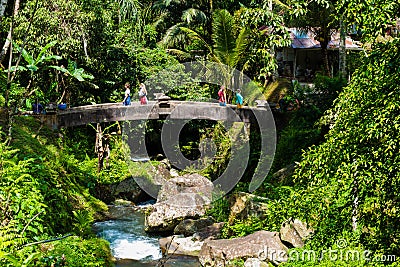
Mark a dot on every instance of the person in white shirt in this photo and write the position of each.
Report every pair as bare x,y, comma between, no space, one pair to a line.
142,94
127,99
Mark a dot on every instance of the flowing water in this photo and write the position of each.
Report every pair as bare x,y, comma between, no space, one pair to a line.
130,245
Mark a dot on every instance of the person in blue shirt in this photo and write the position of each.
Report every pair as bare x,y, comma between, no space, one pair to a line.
127,99
239,99
37,108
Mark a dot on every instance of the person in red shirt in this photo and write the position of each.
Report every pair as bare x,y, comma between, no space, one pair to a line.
222,96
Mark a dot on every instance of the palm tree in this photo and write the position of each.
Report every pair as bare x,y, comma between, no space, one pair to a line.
195,15
228,47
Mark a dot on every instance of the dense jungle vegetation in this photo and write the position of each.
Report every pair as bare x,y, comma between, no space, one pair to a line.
343,142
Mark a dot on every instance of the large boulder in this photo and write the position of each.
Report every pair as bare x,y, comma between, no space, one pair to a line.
264,245
165,216
178,246
190,245
188,183
244,205
210,232
295,232
179,198
127,189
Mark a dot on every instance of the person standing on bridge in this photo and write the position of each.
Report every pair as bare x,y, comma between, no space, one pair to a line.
222,96
239,99
127,99
142,94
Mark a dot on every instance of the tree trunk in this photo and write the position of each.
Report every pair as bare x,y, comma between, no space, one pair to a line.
9,35
3,5
342,50
209,22
324,38
99,149
354,221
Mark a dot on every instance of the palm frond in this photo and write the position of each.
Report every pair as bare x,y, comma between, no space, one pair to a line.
193,15
242,43
223,36
129,9
194,35
174,36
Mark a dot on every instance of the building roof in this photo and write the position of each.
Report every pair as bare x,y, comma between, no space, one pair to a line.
306,40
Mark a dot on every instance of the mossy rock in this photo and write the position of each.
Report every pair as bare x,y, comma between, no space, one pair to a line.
281,86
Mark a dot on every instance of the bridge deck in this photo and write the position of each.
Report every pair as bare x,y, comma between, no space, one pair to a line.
110,112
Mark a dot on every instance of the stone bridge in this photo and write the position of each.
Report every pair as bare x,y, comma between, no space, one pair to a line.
154,110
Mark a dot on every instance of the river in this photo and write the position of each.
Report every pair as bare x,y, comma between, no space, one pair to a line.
130,245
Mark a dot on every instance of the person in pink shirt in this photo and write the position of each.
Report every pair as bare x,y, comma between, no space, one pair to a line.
222,96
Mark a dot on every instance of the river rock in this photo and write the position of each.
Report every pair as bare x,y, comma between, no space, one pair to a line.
263,245
244,205
188,227
295,232
210,232
163,170
254,262
179,198
284,174
165,216
178,245
188,183
126,189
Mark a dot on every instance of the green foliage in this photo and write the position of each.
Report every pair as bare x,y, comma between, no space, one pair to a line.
358,159
42,188
372,21
74,251
243,228
16,262
236,263
267,33
83,222
220,137
220,209
21,204
299,134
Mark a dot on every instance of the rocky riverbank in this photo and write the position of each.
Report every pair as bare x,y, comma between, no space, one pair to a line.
179,214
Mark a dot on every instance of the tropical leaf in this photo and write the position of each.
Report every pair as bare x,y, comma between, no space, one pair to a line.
27,57
41,57
49,58
192,15
62,69
194,35
175,36
242,43
74,71
32,67
223,36
13,68
129,9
